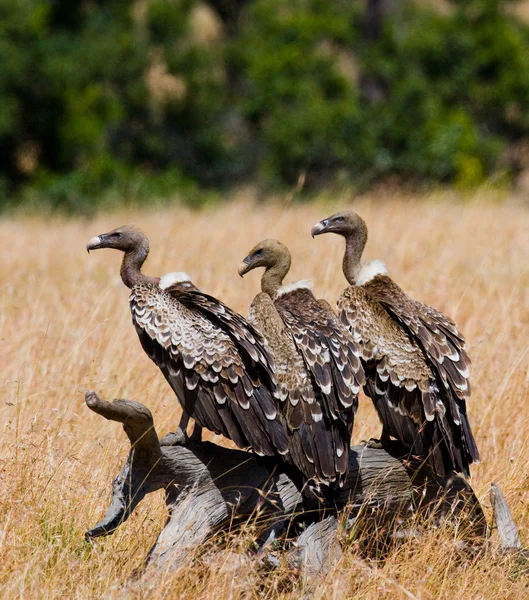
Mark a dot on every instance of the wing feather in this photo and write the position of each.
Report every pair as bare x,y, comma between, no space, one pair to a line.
317,441
332,360
215,362
330,353
418,394
438,335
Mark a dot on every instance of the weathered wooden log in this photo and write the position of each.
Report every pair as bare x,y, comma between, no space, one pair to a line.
507,531
317,549
210,488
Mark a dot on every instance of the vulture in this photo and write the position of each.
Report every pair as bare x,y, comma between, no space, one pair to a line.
215,362
416,366
317,364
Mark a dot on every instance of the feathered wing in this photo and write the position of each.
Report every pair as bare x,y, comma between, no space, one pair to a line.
444,347
403,385
330,353
302,412
438,335
318,443
326,306
215,362
331,360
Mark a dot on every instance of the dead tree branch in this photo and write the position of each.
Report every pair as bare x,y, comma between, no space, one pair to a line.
210,488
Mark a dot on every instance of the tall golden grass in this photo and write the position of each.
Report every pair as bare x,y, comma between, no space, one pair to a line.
65,327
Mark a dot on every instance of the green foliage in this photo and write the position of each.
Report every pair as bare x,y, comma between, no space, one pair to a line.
455,86
308,110
79,115
450,89
128,99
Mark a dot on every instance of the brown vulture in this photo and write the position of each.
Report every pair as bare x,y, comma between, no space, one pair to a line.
214,360
414,357
317,364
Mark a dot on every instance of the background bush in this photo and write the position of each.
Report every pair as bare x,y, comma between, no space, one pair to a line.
151,97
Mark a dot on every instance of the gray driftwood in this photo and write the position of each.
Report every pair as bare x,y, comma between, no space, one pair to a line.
509,540
211,489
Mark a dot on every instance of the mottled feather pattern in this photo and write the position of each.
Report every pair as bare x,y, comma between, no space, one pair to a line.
300,408
328,349
312,370
215,362
444,348
418,398
323,303
288,363
437,334
249,339
378,337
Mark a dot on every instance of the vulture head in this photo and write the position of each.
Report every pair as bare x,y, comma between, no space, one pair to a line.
267,254
126,239
346,223
135,246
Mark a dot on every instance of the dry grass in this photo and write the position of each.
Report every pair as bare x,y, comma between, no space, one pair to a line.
65,327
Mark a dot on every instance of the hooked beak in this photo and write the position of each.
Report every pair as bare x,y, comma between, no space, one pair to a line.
94,243
319,228
245,266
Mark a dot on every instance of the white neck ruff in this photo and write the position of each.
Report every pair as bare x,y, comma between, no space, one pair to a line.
170,279
370,270
297,285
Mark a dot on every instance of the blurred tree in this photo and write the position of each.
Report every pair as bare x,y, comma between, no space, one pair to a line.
373,25
147,97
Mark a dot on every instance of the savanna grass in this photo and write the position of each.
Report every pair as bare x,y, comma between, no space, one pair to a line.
65,327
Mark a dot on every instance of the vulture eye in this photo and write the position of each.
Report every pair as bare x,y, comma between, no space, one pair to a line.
117,234
258,252
339,219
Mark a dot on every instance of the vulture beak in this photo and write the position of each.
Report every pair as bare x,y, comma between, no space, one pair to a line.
94,243
319,228
245,266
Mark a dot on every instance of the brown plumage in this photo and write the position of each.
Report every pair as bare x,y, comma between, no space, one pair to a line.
215,361
416,365
317,363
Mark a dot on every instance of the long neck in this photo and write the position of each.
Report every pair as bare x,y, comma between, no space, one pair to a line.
132,263
272,278
354,247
